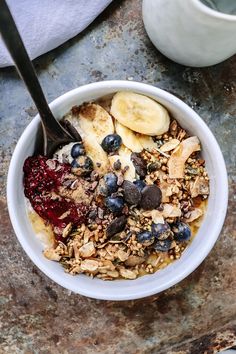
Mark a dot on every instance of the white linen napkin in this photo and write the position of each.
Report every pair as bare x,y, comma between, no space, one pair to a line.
46,24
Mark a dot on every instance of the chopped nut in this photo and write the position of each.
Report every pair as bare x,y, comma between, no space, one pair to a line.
200,186
106,266
157,217
113,273
51,254
87,235
120,179
171,211
173,127
193,215
100,213
67,230
94,176
89,265
64,215
128,274
123,256
134,260
93,185
181,135
76,247
51,164
87,250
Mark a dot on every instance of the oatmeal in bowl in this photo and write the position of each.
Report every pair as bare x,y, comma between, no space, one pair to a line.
129,209
127,198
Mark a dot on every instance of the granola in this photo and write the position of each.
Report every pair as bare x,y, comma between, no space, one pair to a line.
119,203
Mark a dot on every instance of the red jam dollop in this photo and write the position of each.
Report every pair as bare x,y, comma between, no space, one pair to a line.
42,177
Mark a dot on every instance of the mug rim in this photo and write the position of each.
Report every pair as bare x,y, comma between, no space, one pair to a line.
213,13
136,293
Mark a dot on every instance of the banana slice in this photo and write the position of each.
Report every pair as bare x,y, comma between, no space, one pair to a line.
95,120
124,151
125,160
134,141
147,142
97,154
140,113
86,127
129,139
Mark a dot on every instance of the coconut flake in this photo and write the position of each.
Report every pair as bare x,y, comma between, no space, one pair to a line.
180,155
170,145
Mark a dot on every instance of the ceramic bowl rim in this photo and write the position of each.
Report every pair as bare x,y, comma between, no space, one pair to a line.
213,13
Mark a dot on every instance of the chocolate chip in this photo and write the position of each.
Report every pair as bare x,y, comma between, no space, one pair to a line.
139,164
117,225
132,195
117,165
151,197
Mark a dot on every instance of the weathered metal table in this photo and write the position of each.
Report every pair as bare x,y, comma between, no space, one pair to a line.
196,316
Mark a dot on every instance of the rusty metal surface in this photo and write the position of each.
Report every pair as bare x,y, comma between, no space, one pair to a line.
196,316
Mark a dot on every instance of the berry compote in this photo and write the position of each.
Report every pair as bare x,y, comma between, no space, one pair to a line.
42,179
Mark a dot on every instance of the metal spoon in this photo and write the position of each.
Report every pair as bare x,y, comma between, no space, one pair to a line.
53,132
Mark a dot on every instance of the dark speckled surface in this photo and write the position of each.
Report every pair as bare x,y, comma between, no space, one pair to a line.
196,316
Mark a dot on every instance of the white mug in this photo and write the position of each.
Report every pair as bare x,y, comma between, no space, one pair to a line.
190,32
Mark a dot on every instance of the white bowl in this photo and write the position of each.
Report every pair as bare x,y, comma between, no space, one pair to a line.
149,284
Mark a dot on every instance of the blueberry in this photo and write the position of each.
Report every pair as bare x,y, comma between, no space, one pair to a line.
139,184
74,164
162,245
181,231
111,143
83,165
145,237
161,231
111,182
115,204
77,150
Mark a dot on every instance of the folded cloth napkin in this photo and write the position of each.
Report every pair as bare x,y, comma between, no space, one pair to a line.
46,24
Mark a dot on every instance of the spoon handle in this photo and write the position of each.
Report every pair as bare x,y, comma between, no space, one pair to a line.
26,70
